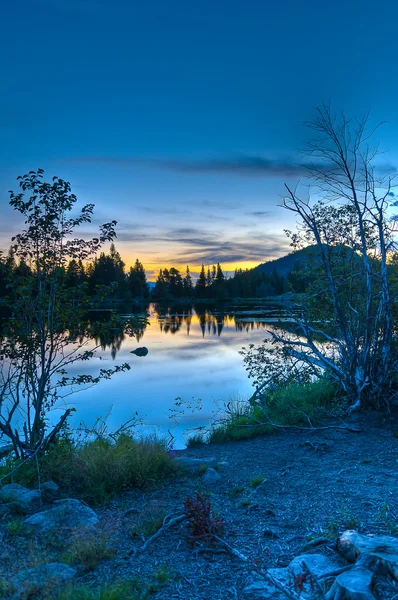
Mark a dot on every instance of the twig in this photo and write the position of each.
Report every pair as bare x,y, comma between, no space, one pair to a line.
257,488
167,523
231,549
281,587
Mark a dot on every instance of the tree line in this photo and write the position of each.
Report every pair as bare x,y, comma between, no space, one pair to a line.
126,286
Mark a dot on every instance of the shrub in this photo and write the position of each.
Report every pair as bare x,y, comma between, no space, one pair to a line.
98,470
289,404
203,524
195,440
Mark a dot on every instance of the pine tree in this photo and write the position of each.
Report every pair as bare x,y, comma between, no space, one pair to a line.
187,283
200,288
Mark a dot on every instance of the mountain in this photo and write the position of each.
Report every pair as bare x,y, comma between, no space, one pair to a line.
284,265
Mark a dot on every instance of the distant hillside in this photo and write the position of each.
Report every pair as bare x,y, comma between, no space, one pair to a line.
284,265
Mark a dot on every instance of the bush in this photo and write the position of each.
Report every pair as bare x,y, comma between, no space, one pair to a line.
98,470
289,404
203,525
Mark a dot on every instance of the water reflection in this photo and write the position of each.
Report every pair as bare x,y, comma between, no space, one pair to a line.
211,321
193,353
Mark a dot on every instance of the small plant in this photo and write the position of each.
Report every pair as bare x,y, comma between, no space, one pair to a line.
149,522
125,590
202,469
332,529
5,588
257,481
245,502
203,525
236,491
367,461
195,440
16,528
395,434
89,551
162,574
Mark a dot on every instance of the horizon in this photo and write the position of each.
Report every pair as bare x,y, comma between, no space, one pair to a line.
183,122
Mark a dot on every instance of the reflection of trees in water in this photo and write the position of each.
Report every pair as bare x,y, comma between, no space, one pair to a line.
248,325
211,321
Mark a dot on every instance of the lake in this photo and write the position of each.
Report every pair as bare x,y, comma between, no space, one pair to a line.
193,355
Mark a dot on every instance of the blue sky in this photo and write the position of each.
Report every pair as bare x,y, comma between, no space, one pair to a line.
182,119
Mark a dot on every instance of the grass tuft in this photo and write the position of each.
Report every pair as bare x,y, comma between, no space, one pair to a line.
100,469
287,405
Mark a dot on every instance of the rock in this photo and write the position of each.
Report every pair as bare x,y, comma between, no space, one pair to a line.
263,589
140,351
317,565
45,578
19,498
354,584
379,553
194,464
211,477
69,513
49,489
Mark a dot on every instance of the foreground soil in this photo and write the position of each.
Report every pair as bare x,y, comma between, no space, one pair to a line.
313,485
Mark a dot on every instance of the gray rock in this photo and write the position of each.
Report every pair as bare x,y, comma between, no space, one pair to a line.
140,351
263,589
69,513
19,498
45,578
194,464
317,565
211,477
49,489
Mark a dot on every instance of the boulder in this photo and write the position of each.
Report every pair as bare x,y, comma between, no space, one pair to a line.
317,565
211,477
69,513
43,579
19,498
49,489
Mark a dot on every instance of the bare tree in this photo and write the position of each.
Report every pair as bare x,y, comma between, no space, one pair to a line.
346,326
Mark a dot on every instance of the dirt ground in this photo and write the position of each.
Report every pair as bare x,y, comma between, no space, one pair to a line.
314,485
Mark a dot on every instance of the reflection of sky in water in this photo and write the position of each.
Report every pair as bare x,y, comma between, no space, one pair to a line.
200,365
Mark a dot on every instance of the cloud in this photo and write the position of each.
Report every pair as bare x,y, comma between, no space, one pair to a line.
194,245
241,166
260,213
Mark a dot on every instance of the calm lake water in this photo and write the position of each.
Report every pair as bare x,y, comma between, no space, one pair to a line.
191,356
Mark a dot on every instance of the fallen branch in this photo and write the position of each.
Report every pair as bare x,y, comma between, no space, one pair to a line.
281,587
167,523
231,549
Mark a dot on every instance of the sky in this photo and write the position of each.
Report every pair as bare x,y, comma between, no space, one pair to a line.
182,120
